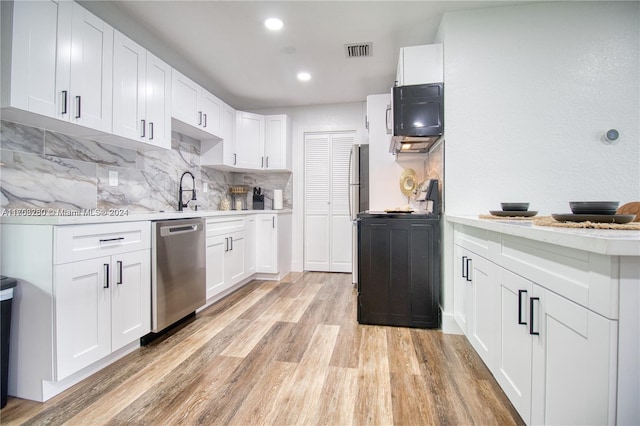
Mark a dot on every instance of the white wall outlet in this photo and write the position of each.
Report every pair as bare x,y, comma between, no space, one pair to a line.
113,178
205,187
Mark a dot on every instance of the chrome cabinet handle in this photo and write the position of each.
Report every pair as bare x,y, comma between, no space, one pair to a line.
65,101
106,276
386,119
78,107
119,281
520,293
531,332
144,128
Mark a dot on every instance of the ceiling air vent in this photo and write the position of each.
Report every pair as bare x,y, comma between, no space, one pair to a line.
358,50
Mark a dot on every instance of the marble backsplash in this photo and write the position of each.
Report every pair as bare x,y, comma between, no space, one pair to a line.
43,169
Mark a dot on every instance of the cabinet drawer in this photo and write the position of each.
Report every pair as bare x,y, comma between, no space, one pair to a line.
588,279
225,225
81,242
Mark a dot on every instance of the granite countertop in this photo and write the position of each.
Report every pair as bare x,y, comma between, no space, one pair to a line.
76,217
610,242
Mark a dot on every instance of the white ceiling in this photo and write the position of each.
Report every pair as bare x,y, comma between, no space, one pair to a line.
238,59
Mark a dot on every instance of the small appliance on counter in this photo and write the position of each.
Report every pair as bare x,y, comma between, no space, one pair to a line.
427,197
258,199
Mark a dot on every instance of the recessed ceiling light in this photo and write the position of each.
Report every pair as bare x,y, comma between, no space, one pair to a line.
274,24
304,76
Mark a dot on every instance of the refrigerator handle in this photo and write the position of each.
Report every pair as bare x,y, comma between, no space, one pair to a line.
349,181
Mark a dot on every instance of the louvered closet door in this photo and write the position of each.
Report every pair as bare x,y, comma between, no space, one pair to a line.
327,227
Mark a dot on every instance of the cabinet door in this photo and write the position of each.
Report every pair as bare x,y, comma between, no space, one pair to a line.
513,370
91,70
158,96
129,88
215,261
211,114
130,297
229,157
483,317
461,285
82,314
250,246
574,357
249,140
185,99
40,56
267,244
234,258
275,144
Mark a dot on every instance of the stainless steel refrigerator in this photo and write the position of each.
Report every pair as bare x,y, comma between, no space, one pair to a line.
358,197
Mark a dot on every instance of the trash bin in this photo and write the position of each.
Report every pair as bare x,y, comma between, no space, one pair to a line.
6,297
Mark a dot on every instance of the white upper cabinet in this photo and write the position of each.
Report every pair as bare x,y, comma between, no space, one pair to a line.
35,68
42,76
91,70
420,65
249,140
222,154
277,145
196,112
141,94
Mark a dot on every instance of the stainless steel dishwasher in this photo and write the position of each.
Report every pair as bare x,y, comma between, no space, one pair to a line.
178,285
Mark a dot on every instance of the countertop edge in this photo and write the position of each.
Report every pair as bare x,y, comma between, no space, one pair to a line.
95,218
609,242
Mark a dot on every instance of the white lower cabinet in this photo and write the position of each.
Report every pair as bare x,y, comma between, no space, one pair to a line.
102,305
267,244
225,255
555,359
250,246
84,300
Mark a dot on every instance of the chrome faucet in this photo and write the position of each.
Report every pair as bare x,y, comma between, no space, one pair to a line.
182,205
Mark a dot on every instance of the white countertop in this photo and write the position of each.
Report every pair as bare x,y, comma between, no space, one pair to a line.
610,242
66,217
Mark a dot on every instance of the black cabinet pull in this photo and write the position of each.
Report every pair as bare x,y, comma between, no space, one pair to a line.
262,162
65,101
520,292
267,166
235,159
226,244
468,277
531,332
144,128
106,276
464,258
119,262
150,131
199,118
273,222
205,120
106,240
78,106
231,239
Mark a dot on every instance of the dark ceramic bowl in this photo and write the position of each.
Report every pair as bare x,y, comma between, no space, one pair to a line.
514,207
594,207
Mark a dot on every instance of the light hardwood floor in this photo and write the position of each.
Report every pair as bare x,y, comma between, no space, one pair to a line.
284,353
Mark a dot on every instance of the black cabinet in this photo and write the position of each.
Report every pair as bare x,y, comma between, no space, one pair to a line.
399,270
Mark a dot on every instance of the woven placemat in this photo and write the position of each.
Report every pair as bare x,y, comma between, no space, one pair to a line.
490,216
549,221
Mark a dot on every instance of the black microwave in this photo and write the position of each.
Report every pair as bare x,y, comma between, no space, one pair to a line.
418,117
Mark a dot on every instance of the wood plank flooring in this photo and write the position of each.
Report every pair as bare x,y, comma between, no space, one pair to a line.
284,353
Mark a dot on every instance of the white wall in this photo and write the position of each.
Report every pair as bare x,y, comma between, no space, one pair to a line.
529,91
319,118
